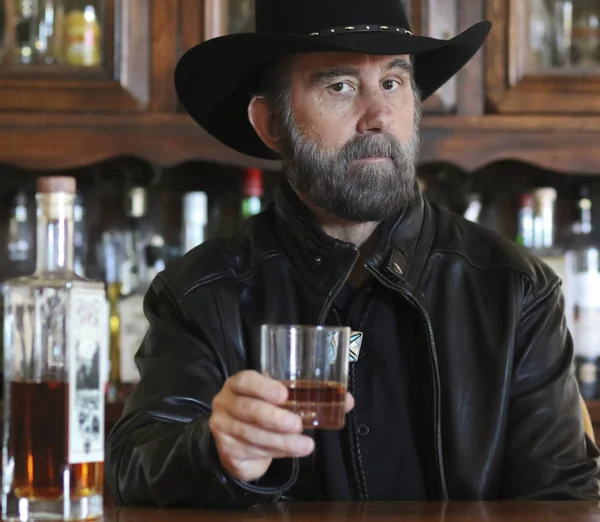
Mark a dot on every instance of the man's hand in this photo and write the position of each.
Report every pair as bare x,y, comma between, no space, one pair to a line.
251,428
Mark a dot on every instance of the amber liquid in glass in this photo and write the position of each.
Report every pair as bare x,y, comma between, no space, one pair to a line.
38,442
320,404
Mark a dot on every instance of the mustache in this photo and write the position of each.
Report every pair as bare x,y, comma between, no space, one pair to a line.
371,146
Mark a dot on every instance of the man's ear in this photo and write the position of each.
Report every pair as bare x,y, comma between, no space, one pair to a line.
264,121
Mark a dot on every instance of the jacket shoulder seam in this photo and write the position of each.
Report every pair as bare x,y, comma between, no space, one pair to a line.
228,272
548,289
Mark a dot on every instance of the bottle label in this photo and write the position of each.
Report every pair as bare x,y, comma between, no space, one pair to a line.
134,326
87,349
585,312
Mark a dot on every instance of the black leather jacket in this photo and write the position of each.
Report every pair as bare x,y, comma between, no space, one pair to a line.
500,406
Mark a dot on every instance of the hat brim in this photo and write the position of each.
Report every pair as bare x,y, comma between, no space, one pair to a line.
214,79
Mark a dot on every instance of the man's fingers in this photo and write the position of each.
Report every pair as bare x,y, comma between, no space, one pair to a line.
239,450
264,415
349,402
252,384
290,445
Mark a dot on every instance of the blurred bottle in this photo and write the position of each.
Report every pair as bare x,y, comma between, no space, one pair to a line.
83,33
80,237
525,221
585,37
252,193
195,219
111,254
20,236
474,207
539,56
133,322
562,33
545,245
583,299
38,31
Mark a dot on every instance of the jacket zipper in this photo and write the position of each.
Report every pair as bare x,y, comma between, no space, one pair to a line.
435,368
324,313
338,289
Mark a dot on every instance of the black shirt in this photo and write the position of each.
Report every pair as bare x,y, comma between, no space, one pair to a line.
383,390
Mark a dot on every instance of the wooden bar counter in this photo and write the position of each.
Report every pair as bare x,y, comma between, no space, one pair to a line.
374,511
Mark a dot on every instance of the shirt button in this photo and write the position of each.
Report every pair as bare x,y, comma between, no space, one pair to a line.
363,430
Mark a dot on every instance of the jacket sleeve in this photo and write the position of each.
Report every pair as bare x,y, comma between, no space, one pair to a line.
161,451
547,454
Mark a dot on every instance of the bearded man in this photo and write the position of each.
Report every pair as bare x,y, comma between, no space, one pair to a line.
463,388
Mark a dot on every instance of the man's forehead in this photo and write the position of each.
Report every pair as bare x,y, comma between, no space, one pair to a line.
310,62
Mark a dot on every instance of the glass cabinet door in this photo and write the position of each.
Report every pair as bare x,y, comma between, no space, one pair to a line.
437,19
75,54
540,52
559,37
53,32
228,17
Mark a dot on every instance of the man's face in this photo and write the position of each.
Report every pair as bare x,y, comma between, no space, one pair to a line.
350,137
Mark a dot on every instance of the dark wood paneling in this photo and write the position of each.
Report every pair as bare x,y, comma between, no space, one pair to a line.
165,26
59,141
470,80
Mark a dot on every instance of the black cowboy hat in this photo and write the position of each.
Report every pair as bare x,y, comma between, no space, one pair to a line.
214,80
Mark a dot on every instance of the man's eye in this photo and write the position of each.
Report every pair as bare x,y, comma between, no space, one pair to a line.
340,87
390,85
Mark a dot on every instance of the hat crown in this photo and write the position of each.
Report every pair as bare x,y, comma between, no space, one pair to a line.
303,17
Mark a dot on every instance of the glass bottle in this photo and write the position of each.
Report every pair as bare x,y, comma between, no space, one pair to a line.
55,341
195,219
83,33
585,38
525,221
80,237
562,33
133,322
38,31
20,227
240,16
583,299
545,245
253,191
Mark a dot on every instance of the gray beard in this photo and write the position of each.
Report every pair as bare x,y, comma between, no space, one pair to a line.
356,192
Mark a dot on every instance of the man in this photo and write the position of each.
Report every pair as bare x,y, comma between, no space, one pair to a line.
463,389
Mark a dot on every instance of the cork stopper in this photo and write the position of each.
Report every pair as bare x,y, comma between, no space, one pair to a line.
53,184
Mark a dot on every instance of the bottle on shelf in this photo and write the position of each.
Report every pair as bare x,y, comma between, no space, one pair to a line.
55,342
195,219
583,299
525,221
133,322
111,253
20,236
83,33
38,27
122,254
80,237
252,193
545,245
474,207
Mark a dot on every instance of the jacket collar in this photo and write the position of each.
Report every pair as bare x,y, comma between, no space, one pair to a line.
399,256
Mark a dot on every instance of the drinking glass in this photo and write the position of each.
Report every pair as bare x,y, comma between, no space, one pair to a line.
312,362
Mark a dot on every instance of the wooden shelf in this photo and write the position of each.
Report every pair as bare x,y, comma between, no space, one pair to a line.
60,141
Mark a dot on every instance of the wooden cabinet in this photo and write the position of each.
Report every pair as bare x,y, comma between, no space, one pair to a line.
101,55
514,100
543,57
228,17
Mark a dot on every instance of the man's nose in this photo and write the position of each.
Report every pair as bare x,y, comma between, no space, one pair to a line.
377,115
